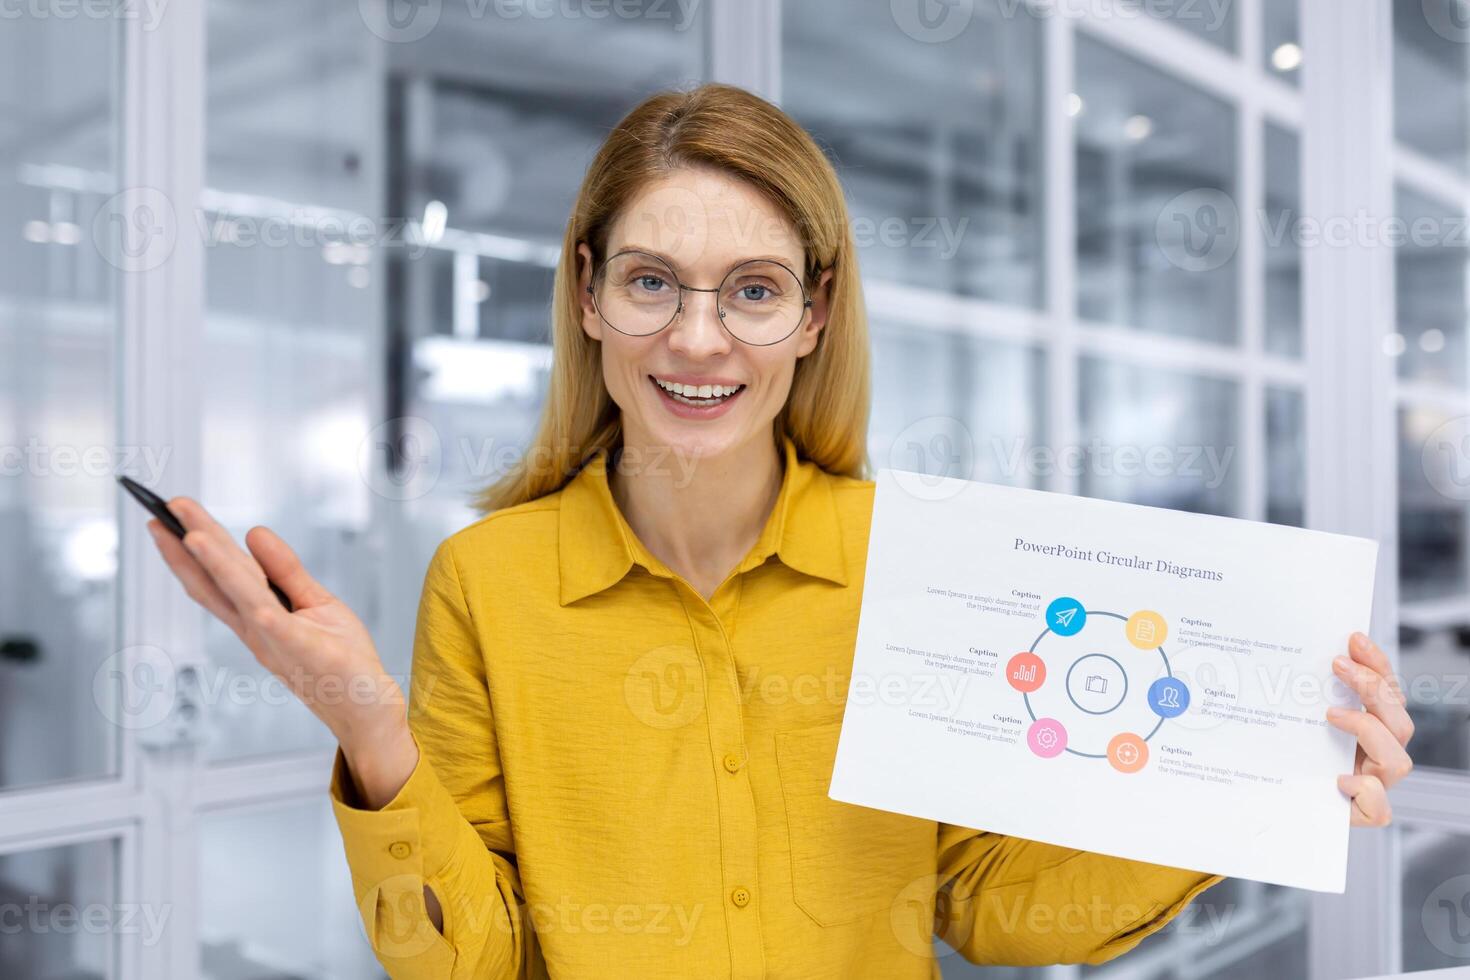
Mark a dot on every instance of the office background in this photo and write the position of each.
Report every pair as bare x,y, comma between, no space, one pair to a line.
293,257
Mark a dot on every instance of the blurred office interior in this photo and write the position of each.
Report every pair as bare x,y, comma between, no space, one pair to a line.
294,257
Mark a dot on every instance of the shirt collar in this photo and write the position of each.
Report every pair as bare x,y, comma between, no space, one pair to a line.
597,547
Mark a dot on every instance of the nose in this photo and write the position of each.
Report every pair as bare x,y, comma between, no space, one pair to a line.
697,331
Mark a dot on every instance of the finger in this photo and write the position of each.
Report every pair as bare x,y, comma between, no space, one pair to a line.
258,607
1370,800
1386,758
283,567
1379,696
1362,649
1369,654
194,517
196,581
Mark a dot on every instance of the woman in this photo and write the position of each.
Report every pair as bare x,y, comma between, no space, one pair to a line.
628,678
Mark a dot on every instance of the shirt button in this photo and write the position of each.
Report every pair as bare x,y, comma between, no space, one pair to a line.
400,849
740,897
732,762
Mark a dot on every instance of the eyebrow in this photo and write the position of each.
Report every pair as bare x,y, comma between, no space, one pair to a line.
780,259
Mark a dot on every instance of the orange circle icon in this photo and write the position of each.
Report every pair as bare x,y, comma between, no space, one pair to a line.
1127,752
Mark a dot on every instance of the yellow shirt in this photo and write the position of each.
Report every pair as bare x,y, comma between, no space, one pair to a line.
618,778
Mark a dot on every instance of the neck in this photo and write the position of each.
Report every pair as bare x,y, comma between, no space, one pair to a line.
699,516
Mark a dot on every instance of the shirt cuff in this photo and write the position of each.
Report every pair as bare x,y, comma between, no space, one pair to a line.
422,816
394,852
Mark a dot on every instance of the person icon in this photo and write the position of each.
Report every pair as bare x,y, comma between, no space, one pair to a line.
1168,697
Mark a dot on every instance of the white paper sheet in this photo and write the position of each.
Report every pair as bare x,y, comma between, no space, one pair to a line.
1176,714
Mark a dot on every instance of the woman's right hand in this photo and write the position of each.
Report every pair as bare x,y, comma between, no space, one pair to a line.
321,651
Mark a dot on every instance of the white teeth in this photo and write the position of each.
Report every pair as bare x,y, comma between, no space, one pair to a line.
699,391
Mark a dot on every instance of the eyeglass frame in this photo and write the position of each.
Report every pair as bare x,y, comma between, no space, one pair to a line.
806,298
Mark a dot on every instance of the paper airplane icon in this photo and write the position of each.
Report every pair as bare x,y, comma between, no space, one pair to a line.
1064,618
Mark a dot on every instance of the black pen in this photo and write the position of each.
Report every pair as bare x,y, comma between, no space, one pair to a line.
166,517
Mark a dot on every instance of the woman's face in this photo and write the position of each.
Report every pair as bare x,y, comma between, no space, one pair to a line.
702,223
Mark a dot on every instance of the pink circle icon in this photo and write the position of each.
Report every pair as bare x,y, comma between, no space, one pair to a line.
1047,737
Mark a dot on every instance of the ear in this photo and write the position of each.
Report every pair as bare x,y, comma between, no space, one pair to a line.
591,321
821,306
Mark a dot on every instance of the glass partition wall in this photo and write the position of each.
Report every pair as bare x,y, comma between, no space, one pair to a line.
295,258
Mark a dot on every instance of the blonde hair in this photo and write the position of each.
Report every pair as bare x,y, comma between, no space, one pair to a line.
747,137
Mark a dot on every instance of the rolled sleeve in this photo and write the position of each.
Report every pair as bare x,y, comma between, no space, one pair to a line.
1016,902
1165,892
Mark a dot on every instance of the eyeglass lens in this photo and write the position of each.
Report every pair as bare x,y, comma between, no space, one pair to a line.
760,302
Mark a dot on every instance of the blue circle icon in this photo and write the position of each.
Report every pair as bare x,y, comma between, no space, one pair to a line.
1065,616
1168,696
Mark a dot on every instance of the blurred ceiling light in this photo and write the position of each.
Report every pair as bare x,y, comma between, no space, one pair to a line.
358,277
61,232
1287,57
345,253
480,371
1138,128
1393,344
1075,105
1432,340
482,290
436,219
89,552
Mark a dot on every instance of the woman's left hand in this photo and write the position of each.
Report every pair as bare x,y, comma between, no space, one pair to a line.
1383,730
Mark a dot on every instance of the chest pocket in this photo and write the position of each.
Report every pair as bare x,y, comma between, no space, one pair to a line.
847,861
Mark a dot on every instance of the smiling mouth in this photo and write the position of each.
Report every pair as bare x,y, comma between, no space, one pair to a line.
694,402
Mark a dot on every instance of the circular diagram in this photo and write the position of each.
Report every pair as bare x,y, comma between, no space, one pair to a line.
1106,674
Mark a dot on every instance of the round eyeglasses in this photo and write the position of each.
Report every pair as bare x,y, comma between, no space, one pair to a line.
760,302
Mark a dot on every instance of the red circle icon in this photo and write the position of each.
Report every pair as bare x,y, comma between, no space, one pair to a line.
1025,672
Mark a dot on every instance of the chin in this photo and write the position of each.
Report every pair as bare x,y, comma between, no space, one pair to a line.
690,443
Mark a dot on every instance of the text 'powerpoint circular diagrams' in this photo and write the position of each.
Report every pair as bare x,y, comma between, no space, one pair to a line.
1097,684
